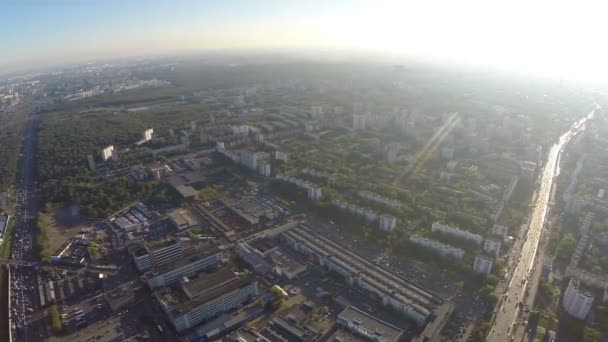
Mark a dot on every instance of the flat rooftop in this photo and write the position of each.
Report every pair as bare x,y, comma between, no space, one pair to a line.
343,336
418,298
263,244
201,289
371,324
186,260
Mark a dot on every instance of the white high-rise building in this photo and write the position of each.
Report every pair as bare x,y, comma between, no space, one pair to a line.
316,112
91,161
359,121
193,126
148,134
264,169
492,247
107,153
460,233
314,193
249,159
577,302
440,248
387,223
482,264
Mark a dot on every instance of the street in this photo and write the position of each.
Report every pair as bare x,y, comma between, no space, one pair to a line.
24,287
511,302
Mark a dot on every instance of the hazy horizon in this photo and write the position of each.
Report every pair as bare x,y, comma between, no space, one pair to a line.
548,38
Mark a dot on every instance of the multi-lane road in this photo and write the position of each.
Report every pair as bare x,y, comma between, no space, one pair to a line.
509,307
23,282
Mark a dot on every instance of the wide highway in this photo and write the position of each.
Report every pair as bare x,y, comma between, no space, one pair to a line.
508,306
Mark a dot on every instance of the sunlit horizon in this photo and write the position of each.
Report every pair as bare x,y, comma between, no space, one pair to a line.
543,37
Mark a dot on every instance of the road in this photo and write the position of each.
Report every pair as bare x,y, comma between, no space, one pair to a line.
508,306
23,282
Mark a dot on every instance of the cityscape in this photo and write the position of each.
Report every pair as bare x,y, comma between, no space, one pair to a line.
277,197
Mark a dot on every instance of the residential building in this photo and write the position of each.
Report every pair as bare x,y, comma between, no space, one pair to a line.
492,247
387,223
457,232
249,159
482,264
314,193
91,161
500,230
378,199
391,152
107,153
205,296
148,134
577,302
368,327
438,247
264,169
359,121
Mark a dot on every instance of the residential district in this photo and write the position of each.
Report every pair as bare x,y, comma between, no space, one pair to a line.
300,208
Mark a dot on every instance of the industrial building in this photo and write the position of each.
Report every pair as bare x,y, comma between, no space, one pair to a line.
158,253
188,266
368,327
205,296
250,209
416,303
577,301
184,219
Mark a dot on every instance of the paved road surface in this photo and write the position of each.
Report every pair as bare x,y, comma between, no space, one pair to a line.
508,308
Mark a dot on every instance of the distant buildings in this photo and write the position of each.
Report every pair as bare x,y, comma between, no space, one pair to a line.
500,230
359,121
108,153
577,302
482,264
91,162
250,159
205,296
387,223
378,199
456,232
391,152
148,134
438,247
314,193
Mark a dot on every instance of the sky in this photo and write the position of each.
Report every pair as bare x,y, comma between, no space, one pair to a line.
538,36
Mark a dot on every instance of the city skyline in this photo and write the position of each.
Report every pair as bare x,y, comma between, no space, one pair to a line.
547,38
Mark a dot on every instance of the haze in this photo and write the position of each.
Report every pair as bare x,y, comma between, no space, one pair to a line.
548,37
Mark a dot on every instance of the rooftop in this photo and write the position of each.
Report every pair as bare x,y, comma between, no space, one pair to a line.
418,298
371,324
201,289
343,336
186,260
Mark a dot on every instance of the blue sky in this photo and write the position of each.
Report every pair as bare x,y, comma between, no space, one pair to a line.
548,36
36,30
